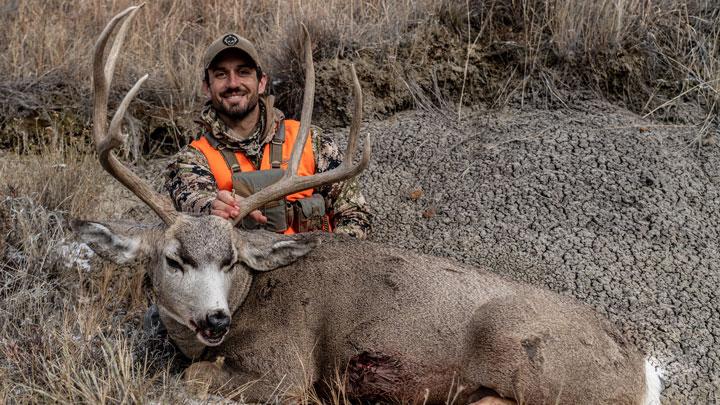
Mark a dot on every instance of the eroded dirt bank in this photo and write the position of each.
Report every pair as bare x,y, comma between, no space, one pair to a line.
593,202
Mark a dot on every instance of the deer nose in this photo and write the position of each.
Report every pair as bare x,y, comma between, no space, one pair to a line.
218,322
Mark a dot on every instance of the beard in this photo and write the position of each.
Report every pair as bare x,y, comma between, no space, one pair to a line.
236,111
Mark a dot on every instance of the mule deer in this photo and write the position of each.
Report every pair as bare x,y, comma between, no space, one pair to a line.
393,324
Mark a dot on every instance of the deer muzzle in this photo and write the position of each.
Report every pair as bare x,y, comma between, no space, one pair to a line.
212,330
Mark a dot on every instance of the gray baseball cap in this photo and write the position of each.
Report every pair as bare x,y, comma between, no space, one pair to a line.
230,41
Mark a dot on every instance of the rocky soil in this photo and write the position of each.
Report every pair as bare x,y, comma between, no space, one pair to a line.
591,201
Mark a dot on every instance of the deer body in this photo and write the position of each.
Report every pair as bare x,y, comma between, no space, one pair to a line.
396,323
390,323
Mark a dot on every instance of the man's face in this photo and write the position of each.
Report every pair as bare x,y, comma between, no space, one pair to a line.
233,85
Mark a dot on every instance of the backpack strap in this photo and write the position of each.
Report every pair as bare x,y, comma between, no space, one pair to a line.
229,157
276,150
276,147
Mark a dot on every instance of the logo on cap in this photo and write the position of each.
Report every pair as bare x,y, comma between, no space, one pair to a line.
230,40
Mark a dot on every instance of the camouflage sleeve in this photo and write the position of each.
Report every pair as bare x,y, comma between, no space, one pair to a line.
345,203
190,182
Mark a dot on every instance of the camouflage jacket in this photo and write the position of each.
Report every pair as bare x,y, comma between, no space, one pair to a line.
192,186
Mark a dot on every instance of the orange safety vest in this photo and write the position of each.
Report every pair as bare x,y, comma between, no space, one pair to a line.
223,174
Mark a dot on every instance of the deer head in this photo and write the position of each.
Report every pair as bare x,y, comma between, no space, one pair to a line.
197,260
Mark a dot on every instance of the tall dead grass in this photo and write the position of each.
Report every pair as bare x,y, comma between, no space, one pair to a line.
67,322
171,37
640,52
651,55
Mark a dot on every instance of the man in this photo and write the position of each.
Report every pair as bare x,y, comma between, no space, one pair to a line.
240,135
240,132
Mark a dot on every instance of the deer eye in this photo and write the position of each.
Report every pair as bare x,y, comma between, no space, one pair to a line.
229,266
173,264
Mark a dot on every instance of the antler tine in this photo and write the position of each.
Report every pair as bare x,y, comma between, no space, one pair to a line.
307,108
291,182
106,139
354,136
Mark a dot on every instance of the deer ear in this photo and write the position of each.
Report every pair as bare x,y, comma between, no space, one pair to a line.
264,251
118,242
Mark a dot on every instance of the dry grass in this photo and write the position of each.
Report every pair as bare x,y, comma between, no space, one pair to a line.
70,335
43,53
639,52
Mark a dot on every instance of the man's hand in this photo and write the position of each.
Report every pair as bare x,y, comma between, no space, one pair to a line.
225,206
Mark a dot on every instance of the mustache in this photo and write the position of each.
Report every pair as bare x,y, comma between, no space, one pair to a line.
233,92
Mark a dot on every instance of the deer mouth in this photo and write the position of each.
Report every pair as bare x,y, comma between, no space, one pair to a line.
206,336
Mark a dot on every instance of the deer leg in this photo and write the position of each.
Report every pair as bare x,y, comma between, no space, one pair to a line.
214,377
486,396
494,401
538,348
208,375
256,375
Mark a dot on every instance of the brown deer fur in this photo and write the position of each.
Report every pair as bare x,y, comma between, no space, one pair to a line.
391,322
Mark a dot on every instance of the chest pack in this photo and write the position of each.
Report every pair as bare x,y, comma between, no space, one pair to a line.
292,214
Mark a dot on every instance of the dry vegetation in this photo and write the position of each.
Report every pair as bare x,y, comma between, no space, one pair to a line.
655,56
71,335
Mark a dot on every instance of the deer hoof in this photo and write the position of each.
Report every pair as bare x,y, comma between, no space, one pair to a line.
494,401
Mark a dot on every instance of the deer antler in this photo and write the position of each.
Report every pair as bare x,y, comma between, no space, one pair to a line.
106,139
291,182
